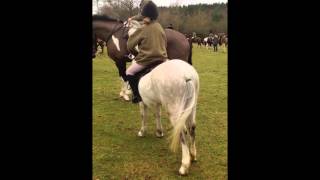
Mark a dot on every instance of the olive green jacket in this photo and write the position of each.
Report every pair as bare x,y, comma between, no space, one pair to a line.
151,40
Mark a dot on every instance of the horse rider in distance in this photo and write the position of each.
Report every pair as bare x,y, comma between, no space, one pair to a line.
170,26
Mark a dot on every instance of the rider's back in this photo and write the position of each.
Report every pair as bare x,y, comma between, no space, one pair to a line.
152,43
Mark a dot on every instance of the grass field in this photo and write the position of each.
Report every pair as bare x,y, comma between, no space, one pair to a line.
118,153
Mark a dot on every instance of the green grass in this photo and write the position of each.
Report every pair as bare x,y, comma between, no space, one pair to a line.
118,153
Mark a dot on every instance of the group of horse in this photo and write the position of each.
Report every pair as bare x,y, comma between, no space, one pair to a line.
173,85
220,40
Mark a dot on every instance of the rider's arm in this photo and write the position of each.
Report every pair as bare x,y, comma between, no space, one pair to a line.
134,40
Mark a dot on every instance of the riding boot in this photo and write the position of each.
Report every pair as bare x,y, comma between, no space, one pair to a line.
133,81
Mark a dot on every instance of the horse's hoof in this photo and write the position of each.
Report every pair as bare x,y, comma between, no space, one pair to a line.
121,94
183,171
140,134
193,158
128,92
125,97
159,134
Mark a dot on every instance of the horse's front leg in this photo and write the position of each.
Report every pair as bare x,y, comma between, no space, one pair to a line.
102,48
159,131
125,90
144,114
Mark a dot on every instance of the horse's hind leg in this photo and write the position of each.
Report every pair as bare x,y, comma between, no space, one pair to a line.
185,163
159,131
192,129
143,113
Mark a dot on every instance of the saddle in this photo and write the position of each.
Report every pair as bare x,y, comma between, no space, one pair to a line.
148,69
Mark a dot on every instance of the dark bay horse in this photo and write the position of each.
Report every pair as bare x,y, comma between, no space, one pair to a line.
208,42
199,41
223,41
115,34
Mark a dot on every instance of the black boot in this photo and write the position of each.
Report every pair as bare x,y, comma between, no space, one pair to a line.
133,81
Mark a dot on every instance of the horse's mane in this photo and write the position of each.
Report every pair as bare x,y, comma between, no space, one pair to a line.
97,17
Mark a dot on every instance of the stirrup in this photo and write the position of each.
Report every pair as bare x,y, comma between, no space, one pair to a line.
130,56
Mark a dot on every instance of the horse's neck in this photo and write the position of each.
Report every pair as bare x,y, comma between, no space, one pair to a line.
104,29
115,42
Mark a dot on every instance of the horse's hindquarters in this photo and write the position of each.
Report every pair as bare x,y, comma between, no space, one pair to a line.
175,85
167,82
178,46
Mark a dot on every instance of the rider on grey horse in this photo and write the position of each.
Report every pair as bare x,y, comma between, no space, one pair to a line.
151,40
139,17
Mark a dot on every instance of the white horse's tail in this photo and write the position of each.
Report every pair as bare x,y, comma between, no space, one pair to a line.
187,105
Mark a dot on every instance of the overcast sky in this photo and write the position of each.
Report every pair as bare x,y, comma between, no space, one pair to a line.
173,2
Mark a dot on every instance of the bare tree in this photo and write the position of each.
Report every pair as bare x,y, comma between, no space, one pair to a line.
130,5
120,9
98,4
175,4
194,18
